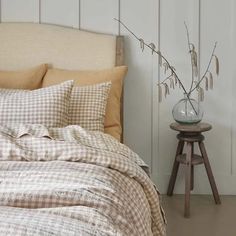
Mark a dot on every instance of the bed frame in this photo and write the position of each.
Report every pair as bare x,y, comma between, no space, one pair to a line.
28,44
23,45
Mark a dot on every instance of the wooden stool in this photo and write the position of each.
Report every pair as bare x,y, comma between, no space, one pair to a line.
189,134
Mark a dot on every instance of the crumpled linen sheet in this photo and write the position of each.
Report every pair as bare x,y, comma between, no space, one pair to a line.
69,181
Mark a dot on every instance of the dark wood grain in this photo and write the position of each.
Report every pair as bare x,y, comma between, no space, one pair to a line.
196,159
192,177
190,134
188,179
175,169
200,127
209,173
192,166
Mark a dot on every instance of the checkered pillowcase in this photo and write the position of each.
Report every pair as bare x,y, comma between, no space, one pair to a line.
47,106
88,106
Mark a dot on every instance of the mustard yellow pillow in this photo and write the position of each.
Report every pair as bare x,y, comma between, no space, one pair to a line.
81,78
25,79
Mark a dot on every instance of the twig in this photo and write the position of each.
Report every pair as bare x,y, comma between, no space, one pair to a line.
167,78
189,46
158,53
207,69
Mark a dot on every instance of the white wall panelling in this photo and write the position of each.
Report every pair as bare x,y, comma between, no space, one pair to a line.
99,15
218,110
141,17
207,22
220,104
61,12
173,44
23,10
155,165
162,22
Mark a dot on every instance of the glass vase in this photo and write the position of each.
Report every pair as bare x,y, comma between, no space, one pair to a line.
187,111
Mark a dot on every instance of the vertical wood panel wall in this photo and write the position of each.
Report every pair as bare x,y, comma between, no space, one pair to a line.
160,21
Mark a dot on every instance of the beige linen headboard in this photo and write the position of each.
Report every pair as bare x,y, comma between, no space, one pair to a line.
23,45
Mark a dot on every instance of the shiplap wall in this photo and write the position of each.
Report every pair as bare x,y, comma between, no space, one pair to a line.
160,21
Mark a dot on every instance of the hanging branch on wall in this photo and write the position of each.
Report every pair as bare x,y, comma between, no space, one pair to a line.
172,79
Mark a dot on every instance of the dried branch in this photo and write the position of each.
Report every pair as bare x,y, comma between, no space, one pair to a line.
154,51
207,69
217,64
201,94
141,44
173,78
192,56
206,83
164,81
210,80
153,46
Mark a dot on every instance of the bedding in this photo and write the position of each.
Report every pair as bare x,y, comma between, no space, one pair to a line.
91,101
69,181
24,79
48,106
81,78
88,106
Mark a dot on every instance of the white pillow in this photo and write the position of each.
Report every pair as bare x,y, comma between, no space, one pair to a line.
46,106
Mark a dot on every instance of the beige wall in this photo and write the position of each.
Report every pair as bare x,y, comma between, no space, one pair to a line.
161,21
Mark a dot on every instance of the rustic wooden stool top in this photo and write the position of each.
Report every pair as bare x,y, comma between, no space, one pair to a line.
189,134
195,128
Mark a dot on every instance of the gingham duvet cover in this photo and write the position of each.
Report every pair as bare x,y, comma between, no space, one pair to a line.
68,181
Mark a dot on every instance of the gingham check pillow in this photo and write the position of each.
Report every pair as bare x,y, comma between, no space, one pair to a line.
88,106
46,106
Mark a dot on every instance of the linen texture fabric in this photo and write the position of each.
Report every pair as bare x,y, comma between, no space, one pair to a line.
47,106
24,79
88,106
69,181
87,77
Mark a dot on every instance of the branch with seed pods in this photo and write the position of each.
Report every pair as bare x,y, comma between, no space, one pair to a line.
172,80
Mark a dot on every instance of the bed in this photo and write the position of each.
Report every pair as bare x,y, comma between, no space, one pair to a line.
63,167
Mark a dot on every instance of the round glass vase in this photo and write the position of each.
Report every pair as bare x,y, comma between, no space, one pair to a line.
187,111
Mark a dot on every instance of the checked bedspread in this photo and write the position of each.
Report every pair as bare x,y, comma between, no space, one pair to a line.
69,181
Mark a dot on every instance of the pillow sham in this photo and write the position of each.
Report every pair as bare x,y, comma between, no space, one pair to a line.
115,75
25,79
90,103
46,106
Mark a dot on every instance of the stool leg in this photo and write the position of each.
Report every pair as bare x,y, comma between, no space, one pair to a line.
192,177
192,170
209,173
188,179
175,169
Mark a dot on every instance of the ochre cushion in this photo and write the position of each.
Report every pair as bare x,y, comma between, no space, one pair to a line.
25,79
82,78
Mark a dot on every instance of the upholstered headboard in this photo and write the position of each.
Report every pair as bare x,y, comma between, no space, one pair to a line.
29,44
24,45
